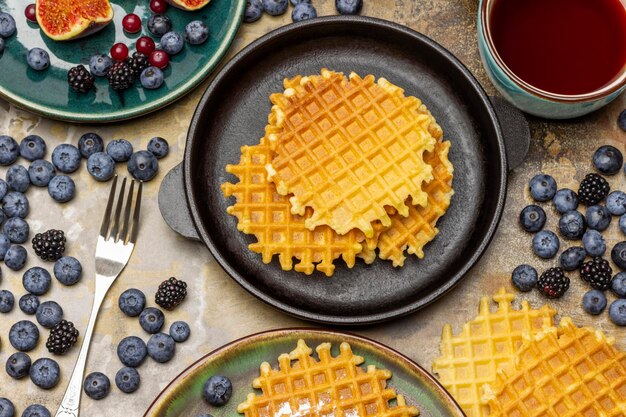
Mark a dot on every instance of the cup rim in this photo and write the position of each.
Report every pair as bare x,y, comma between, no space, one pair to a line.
605,91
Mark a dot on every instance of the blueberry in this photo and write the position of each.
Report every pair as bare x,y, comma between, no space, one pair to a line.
132,302
45,373
40,172
37,280
97,385
303,11
36,410
18,365
9,150
100,64
572,258
594,243
524,277
24,335
101,166
151,78
132,351
2,216
127,380
7,301
565,200
572,225
120,150
622,223
159,25
617,312
294,3
545,244
172,42
49,314
594,302
196,32
143,165
254,11
7,409
349,6
32,147
618,284
17,178
61,188
621,121
67,270
15,204
542,187
180,331
151,320
618,255
66,158
275,7
608,160
16,229
90,143
161,347
598,218
15,258
616,203
7,25
38,59
217,390
29,303
158,147
532,218
4,188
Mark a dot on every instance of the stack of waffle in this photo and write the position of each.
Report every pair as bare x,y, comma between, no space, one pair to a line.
348,167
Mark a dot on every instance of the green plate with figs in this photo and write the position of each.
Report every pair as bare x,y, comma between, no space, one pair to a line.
240,362
48,93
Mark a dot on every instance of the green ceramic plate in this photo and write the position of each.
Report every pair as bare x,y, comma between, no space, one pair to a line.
47,92
241,359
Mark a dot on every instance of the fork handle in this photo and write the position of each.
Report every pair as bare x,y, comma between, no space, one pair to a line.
70,405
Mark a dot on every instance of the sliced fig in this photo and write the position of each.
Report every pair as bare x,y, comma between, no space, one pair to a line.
64,20
189,4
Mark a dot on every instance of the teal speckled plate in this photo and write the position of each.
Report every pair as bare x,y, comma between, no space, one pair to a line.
48,93
240,361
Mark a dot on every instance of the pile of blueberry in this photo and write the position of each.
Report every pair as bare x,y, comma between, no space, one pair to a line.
302,9
575,226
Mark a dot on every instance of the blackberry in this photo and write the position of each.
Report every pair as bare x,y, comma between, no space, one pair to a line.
593,189
138,62
598,273
49,245
80,79
171,293
62,337
121,76
553,283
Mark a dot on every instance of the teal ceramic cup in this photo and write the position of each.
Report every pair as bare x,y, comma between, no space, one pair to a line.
531,99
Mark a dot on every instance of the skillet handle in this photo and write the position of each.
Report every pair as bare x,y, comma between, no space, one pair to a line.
515,131
174,206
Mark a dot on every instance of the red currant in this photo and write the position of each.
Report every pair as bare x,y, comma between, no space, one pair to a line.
158,6
119,52
159,59
131,23
30,12
145,45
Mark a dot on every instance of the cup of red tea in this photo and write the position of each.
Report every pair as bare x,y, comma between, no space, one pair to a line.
555,58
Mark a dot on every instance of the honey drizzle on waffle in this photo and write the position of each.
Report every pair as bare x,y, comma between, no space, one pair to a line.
331,387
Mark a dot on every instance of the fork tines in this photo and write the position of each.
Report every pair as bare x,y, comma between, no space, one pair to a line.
129,202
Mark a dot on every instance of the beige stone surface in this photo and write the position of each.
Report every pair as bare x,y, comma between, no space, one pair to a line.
218,309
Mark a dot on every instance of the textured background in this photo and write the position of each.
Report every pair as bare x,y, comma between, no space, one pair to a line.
218,309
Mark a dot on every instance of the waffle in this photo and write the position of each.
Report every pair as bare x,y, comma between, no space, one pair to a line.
262,212
348,148
572,372
333,386
490,341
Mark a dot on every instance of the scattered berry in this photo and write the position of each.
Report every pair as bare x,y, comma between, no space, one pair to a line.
97,385
593,189
30,13
542,187
621,121
159,59
99,65
49,314
617,312
598,217
45,373
143,165
217,390
172,43
132,351
158,6
349,6
294,3
565,200
161,347
171,293
145,45
17,178
40,172
572,258
151,78
127,380
5,244
101,166
121,76
532,218
622,223
36,280
7,409
119,52
24,336
138,63
158,147
29,303
608,160
572,225
524,277
618,284
7,301
32,147
15,258
131,23
594,302
38,59
275,7
9,150
62,337
180,331
151,320
303,11
546,244
36,410
618,255
159,25
553,283
17,367
50,245
16,229
7,25
67,270
132,302
597,273
594,243
616,203
254,11
80,79
15,204
4,188
61,188
66,158
90,143
197,32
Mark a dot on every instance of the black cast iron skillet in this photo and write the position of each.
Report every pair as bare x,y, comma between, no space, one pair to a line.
233,112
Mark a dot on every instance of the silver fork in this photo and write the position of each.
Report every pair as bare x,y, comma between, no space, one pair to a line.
113,251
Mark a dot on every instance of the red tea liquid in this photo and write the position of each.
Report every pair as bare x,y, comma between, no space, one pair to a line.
561,46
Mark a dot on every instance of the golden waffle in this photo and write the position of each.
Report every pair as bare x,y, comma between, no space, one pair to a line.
575,372
490,341
347,148
333,386
262,212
